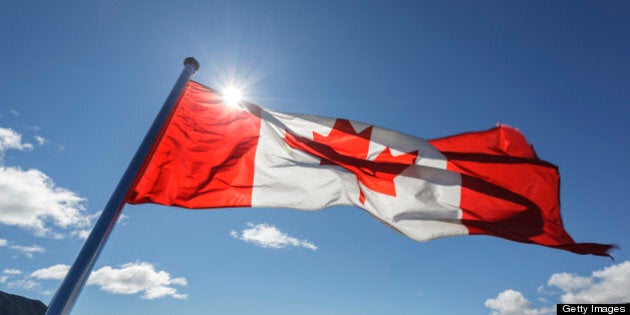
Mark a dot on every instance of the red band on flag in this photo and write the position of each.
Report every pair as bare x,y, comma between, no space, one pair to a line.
507,191
205,157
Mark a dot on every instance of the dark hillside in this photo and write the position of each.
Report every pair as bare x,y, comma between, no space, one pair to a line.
11,304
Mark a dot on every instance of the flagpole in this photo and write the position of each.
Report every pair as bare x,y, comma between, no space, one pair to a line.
66,295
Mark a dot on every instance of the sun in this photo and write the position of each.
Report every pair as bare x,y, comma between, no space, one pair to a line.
232,96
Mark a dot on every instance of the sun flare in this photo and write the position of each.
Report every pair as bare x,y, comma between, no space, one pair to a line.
232,96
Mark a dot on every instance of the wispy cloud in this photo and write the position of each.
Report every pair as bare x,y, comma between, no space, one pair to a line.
122,219
40,140
25,284
265,235
609,285
12,140
130,278
28,251
10,271
81,234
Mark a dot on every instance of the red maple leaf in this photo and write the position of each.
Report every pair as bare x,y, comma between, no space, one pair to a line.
344,147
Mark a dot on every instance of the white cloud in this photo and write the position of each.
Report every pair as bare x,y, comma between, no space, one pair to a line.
10,271
12,140
609,285
3,279
137,277
269,236
3,242
26,284
31,200
56,272
510,302
28,250
40,140
130,278
14,112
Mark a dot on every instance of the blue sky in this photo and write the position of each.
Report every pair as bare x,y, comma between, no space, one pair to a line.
82,80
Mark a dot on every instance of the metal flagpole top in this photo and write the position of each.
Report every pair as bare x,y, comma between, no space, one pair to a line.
192,61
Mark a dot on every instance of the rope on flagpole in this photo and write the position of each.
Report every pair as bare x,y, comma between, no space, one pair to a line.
66,295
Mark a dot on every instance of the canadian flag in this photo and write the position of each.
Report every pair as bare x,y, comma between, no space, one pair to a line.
210,155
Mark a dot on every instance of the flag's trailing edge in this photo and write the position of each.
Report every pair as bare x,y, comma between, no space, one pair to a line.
491,182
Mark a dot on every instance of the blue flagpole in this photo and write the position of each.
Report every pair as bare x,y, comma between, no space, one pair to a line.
66,295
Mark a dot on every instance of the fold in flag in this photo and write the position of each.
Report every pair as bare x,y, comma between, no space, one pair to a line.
210,155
